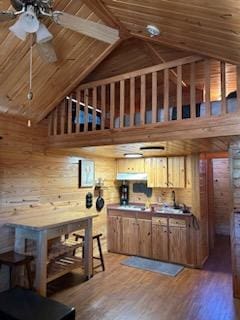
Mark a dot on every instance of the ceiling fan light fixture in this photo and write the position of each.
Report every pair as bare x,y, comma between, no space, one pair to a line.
29,20
18,31
43,34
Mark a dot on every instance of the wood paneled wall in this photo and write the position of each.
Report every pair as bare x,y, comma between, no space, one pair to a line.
222,195
35,181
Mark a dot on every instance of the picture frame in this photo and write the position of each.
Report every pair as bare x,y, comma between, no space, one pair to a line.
86,173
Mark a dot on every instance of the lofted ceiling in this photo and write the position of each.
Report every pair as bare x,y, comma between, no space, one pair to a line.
211,28
202,26
183,147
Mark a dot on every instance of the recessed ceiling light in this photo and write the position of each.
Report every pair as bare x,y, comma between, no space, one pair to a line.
133,155
152,148
153,30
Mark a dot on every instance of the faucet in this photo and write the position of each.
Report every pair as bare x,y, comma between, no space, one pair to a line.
174,199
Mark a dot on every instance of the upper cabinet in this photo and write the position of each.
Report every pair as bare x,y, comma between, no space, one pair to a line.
176,172
130,166
156,169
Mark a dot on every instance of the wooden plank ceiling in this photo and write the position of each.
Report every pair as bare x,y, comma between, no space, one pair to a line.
175,147
207,27
211,28
77,56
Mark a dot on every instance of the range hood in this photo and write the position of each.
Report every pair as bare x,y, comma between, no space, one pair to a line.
132,176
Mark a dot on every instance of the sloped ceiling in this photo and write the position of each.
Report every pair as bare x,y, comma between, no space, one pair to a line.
77,55
208,27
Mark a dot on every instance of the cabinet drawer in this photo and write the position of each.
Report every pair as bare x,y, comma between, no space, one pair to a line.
57,232
159,220
177,223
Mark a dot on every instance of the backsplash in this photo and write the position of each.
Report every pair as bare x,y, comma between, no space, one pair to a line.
161,195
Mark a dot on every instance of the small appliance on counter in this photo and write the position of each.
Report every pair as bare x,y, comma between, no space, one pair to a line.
124,194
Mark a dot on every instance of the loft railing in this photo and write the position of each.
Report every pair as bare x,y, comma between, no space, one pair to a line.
178,90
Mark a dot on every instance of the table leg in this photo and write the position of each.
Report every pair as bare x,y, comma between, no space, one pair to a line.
88,250
41,263
19,247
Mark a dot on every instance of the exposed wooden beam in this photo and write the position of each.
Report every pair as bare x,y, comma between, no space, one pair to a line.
78,79
157,58
106,16
226,125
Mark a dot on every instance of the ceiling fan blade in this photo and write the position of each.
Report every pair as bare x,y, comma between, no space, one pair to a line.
47,52
86,27
6,16
17,4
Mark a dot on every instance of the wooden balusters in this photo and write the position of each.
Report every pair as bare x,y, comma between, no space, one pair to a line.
112,104
143,99
223,88
50,124
69,127
179,92
94,112
103,106
132,101
166,94
63,117
122,100
55,121
154,97
192,90
207,81
78,98
85,110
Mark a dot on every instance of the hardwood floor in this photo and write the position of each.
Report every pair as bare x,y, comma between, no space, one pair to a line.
123,293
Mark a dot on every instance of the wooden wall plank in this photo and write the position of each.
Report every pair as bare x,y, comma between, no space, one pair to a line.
154,97
238,87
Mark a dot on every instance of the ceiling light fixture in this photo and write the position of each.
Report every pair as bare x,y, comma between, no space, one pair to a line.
152,148
133,155
153,30
42,34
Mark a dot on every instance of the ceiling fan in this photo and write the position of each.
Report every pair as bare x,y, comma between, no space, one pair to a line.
29,14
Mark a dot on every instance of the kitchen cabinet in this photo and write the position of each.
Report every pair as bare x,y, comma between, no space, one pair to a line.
145,238
130,236
177,241
160,239
130,166
114,233
176,172
156,169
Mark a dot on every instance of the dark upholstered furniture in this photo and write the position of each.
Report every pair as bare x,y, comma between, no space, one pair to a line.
24,304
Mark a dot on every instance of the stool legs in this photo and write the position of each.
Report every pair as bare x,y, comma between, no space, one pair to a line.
100,253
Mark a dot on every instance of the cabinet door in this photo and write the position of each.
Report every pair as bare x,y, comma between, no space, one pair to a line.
145,238
130,239
159,241
149,169
130,165
114,233
176,172
178,244
161,179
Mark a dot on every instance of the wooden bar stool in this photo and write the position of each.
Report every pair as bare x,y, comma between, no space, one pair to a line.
96,237
12,260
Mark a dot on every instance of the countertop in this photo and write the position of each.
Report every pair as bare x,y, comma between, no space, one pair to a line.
49,221
137,208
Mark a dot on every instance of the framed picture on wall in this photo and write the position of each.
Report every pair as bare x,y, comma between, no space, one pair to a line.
86,173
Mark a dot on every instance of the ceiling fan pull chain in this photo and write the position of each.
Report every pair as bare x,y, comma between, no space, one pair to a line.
30,93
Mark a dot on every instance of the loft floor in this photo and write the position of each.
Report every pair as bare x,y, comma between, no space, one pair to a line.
123,293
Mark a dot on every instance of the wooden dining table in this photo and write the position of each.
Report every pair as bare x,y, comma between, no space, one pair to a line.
51,226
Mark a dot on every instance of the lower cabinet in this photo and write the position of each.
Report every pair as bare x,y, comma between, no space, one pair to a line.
160,238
